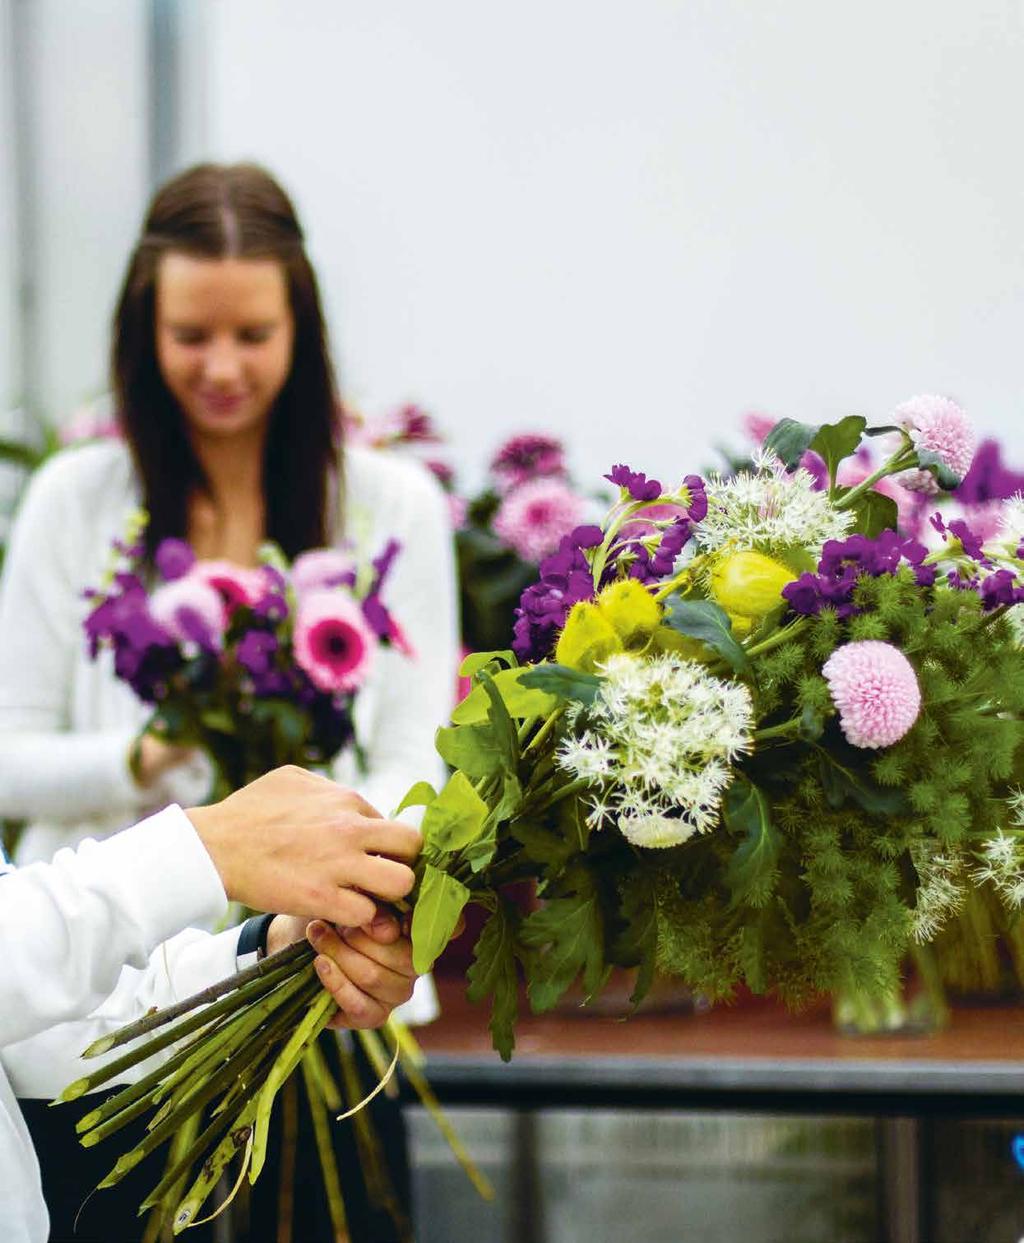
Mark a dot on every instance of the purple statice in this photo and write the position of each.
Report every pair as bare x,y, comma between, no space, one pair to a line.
989,478
635,482
145,655
565,579
173,559
526,457
844,562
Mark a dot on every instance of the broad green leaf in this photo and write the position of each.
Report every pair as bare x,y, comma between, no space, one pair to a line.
493,974
874,513
790,440
476,661
567,937
219,719
455,818
704,620
563,682
637,944
438,906
836,441
751,870
501,723
812,724
543,846
420,795
471,748
521,701
290,723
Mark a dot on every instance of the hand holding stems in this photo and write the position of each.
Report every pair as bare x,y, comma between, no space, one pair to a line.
151,757
295,841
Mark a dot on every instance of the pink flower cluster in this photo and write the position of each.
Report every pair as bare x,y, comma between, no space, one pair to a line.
534,517
939,428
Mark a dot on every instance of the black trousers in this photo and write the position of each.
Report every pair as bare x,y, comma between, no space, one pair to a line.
70,1172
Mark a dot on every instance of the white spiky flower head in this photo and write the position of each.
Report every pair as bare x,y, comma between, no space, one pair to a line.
941,890
1001,862
658,742
769,509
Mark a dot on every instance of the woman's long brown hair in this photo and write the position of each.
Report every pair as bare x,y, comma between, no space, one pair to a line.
217,211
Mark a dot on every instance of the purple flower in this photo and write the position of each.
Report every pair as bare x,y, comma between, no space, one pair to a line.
844,562
191,610
989,479
322,568
639,487
1001,588
383,564
526,457
697,510
970,541
256,652
174,558
565,579
442,472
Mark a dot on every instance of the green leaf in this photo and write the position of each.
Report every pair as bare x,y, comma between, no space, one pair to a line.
476,661
751,868
520,701
567,937
289,723
836,441
438,906
704,620
874,513
946,478
455,818
543,846
790,440
812,724
847,782
565,683
637,944
471,748
493,974
218,719
420,795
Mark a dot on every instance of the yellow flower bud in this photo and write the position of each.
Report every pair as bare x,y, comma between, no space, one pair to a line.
667,640
749,584
632,610
587,638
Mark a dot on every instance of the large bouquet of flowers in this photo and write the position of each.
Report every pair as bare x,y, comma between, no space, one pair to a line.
257,667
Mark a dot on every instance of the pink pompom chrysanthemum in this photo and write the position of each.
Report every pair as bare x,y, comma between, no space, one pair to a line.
321,568
534,517
526,457
191,611
875,689
333,643
938,426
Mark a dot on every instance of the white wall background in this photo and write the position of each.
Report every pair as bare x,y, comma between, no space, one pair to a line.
10,327
633,222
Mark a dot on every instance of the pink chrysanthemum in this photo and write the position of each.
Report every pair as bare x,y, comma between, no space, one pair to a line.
321,568
236,586
875,689
333,643
936,425
526,457
191,611
534,517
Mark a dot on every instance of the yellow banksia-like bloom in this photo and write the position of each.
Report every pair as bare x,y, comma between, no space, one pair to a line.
749,584
587,639
631,609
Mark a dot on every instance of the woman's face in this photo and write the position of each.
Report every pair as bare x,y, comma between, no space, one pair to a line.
224,337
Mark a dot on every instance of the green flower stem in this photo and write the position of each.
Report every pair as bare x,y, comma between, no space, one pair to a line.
249,983
317,1018
525,727
788,729
903,459
778,638
213,1167
542,734
325,1150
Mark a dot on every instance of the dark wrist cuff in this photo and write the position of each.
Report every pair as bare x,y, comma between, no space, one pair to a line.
252,939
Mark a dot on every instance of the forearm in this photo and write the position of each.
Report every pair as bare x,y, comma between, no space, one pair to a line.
67,928
63,776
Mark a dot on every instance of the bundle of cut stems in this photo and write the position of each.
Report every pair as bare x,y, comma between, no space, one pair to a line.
234,1046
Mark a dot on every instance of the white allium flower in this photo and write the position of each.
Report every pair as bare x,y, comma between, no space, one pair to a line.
768,509
659,739
1011,521
1002,862
940,892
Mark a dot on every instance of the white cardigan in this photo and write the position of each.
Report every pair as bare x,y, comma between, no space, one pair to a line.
66,931
66,723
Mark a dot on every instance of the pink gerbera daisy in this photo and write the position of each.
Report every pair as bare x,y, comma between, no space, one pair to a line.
321,568
236,586
875,689
333,643
534,517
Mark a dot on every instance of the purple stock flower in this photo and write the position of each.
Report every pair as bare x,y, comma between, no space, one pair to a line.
970,541
1001,588
256,652
383,563
989,478
635,482
697,510
844,562
174,558
565,579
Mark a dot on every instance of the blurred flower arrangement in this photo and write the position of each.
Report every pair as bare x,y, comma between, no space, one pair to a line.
258,667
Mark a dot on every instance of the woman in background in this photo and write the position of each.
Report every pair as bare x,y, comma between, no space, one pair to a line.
226,400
